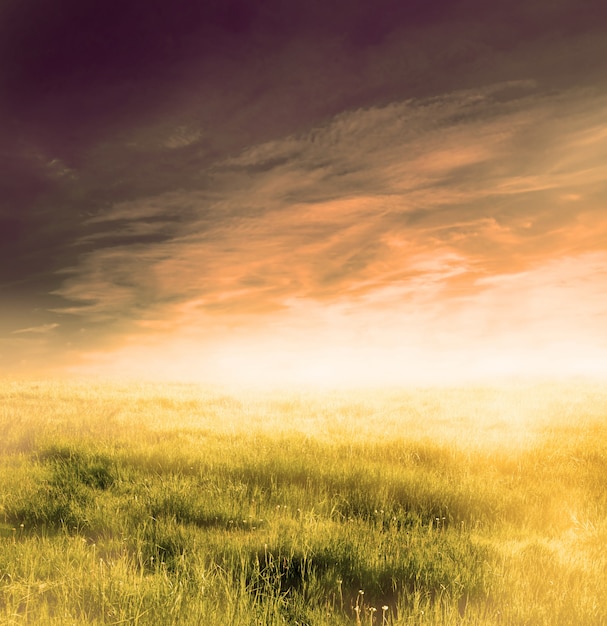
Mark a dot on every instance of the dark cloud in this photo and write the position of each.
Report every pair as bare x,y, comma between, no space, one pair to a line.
353,204
75,72
159,136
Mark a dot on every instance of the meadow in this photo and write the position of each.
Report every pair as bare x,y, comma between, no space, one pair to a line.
179,504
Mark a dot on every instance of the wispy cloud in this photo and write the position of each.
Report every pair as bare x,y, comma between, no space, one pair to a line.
418,207
36,330
182,137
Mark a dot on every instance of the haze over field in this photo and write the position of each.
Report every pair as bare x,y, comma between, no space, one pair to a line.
303,192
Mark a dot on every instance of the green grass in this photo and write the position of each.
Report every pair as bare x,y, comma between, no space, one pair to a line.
182,505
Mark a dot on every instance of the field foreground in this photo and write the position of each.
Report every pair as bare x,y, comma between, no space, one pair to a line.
147,504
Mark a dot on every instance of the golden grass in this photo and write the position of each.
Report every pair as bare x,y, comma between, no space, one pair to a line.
177,504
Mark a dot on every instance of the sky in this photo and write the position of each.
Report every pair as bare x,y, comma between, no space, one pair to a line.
319,192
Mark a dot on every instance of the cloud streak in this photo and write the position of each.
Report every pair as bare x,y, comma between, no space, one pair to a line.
441,211
406,167
42,329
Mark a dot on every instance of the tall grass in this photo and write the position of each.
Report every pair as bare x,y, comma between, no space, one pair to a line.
183,505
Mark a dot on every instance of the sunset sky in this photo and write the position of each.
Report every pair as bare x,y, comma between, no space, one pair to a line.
280,191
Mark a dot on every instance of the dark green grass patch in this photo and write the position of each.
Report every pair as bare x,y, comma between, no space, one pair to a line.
72,480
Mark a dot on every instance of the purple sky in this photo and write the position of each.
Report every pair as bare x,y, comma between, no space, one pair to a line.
318,168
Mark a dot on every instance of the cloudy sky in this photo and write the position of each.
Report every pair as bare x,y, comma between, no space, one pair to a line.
288,191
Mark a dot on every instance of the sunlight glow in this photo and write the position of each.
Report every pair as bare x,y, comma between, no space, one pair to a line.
522,325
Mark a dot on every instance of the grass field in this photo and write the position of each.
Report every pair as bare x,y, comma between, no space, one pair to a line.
151,504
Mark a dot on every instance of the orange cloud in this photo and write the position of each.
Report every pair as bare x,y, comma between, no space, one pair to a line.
419,237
